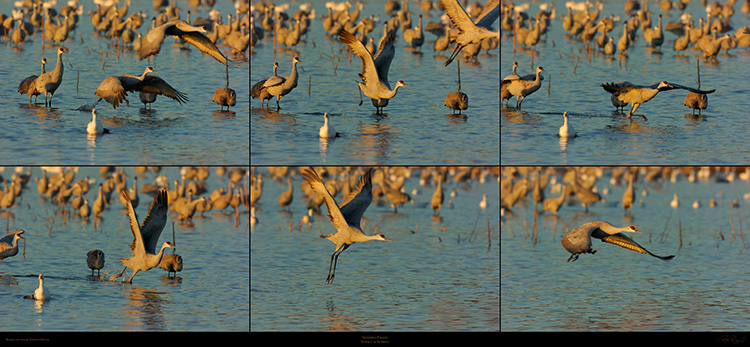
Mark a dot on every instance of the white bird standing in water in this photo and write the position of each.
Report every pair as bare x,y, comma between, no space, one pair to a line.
578,240
95,126
327,130
345,218
41,293
566,130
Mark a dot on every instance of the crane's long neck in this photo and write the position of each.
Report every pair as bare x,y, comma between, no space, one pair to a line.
293,76
155,259
392,93
610,229
59,67
361,237
144,74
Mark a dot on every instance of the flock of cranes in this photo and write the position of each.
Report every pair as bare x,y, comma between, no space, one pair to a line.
376,63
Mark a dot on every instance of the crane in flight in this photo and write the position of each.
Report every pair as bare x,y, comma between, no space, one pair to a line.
471,32
578,240
346,217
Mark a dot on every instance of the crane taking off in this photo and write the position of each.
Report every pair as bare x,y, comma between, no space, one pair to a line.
346,217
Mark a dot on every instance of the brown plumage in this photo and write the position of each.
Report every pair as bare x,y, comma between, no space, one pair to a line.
114,88
225,97
696,101
28,85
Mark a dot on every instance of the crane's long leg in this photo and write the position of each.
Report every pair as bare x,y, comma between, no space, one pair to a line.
454,54
334,260
131,277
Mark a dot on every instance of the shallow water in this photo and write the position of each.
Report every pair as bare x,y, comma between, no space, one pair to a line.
418,129
670,136
436,274
701,289
209,294
195,132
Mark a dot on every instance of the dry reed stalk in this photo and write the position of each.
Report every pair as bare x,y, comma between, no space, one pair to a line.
731,220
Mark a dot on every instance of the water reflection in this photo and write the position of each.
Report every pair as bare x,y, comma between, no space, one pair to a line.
145,308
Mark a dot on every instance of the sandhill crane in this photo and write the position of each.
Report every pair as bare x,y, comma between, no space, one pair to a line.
696,102
9,244
471,32
41,293
95,260
553,204
146,236
624,42
151,43
636,95
28,85
437,196
286,197
171,263
457,100
712,48
327,130
566,130
95,126
114,89
85,209
609,48
504,93
675,201
415,37
260,89
285,84
629,196
578,240
521,88
375,83
147,99
48,82
655,36
225,97
346,217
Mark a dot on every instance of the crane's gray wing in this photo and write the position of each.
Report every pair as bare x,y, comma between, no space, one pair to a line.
677,86
8,238
383,58
456,13
489,15
111,90
369,72
155,85
358,200
151,43
136,247
154,222
620,87
626,242
334,213
204,44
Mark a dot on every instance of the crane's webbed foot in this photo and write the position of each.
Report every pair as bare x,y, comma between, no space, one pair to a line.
572,257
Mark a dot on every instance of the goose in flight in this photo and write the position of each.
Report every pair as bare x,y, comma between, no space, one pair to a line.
636,95
346,217
578,240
